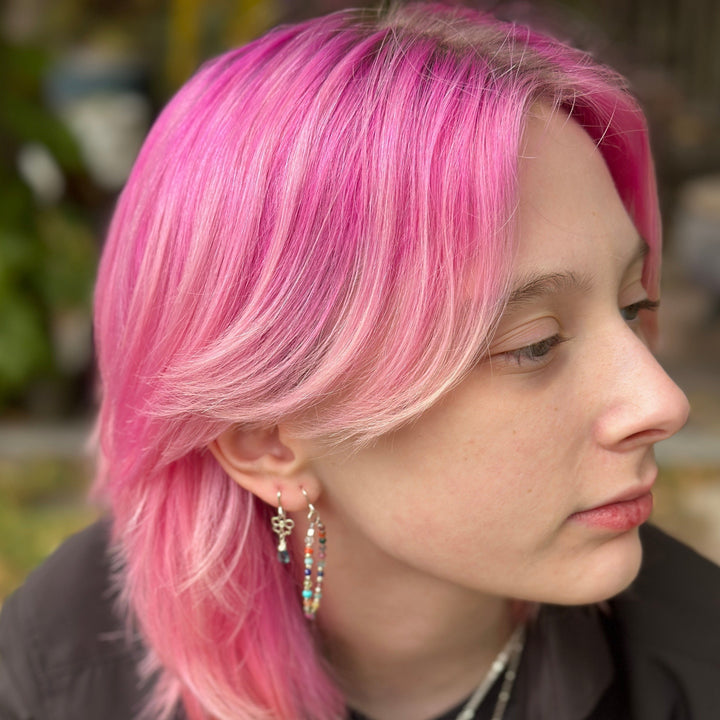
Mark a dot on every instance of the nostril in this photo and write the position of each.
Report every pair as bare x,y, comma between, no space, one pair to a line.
648,436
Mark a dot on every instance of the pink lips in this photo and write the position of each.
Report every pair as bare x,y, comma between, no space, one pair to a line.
620,515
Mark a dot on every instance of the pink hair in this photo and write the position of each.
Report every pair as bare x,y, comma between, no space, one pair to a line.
318,231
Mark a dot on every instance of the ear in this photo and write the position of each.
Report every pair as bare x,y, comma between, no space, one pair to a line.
266,461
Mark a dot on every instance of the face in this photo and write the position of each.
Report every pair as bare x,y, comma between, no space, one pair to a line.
529,479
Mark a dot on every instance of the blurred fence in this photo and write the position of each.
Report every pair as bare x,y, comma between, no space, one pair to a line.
682,36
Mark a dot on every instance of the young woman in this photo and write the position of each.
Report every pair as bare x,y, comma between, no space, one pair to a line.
378,408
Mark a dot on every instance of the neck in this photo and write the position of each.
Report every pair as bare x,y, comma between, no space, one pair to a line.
405,645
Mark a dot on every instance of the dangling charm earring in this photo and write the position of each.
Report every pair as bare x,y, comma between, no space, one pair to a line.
316,531
282,526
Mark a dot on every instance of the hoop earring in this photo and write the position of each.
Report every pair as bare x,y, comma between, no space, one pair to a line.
282,526
316,531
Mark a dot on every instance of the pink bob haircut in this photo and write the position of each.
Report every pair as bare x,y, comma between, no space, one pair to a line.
319,232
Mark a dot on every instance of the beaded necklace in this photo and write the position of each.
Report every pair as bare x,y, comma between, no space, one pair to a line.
507,660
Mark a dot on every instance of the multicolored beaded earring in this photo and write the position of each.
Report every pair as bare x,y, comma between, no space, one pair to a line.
282,526
316,531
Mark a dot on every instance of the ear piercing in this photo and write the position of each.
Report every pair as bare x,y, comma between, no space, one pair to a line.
313,556
282,526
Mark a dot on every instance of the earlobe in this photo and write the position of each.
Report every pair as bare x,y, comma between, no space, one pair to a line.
264,461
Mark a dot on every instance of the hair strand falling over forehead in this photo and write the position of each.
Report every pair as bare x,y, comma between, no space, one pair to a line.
318,231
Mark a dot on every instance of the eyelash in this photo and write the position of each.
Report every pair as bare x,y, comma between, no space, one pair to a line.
536,352
635,308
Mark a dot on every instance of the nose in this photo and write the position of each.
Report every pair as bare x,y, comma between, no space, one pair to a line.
640,403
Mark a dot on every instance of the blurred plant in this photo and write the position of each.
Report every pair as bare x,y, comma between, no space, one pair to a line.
47,252
51,192
40,505
201,28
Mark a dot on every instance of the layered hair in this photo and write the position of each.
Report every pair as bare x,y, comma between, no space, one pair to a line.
319,232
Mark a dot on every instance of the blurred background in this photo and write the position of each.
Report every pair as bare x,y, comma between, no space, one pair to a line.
82,82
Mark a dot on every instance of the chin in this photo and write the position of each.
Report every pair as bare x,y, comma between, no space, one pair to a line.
607,569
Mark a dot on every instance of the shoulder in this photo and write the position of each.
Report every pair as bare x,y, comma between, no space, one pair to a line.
669,626
64,649
679,588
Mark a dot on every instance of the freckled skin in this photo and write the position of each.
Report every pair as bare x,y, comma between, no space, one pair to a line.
476,495
435,528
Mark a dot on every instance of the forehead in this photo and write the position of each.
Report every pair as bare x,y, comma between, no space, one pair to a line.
569,211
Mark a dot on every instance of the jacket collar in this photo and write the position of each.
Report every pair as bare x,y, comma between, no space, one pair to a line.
567,666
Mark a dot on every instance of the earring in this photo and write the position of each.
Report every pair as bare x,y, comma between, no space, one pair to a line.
316,531
282,526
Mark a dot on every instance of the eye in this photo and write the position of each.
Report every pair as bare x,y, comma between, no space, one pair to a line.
535,353
630,313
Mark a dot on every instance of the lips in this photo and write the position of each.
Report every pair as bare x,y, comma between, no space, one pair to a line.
624,512
618,516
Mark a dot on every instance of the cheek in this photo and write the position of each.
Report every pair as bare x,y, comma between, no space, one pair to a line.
487,475
481,483
523,440
529,468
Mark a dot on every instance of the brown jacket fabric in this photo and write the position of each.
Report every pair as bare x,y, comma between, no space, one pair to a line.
652,654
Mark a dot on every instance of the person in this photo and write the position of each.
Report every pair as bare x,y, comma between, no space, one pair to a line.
378,405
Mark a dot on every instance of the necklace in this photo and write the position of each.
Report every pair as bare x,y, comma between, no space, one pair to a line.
507,660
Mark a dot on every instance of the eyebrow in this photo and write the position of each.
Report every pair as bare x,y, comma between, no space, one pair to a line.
540,285
543,284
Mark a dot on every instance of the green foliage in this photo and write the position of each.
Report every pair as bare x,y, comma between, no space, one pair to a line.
23,115
69,258
47,252
25,349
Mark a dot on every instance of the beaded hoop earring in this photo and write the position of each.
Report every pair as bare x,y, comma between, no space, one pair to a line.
313,562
